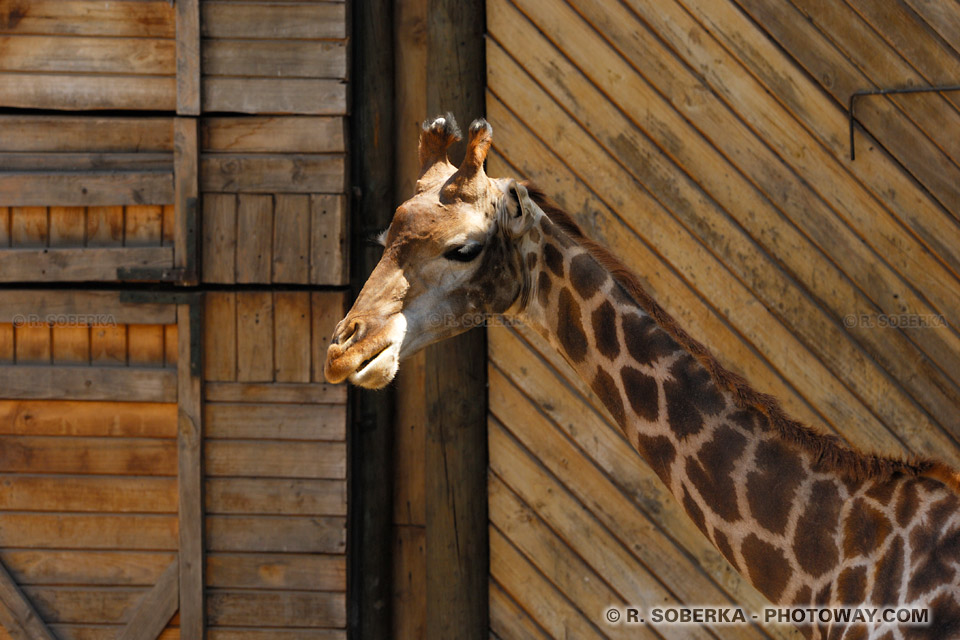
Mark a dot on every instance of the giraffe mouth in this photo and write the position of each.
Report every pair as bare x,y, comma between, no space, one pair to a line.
377,370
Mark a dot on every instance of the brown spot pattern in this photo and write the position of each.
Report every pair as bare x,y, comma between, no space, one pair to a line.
773,485
907,503
659,453
724,547
694,511
882,491
712,468
642,392
690,394
887,575
531,261
604,321
586,275
570,328
646,342
852,585
813,544
554,259
767,565
544,283
865,530
944,620
606,389
534,234
934,549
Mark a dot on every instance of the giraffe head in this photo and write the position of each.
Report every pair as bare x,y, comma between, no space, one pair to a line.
451,254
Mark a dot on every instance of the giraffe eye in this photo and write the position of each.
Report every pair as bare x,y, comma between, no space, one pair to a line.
464,252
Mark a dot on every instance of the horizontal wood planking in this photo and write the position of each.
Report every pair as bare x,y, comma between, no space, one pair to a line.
86,134
127,384
276,496
304,422
77,305
273,459
88,494
79,264
308,96
87,419
273,21
288,173
307,572
273,134
270,608
70,54
275,58
276,534
135,18
80,93
105,568
86,188
274,392
84,455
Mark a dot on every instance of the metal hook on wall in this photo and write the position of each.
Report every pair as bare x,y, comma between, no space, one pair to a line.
884,92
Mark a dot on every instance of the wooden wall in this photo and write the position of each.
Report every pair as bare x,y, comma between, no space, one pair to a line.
172,443
705,143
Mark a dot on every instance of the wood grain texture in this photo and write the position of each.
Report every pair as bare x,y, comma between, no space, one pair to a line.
188,52
186,192
260,20
88,189
81,93
50,304
17,614
78,264
155,609
151,19
272,95
88,383
274,134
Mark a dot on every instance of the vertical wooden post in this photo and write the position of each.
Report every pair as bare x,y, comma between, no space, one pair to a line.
457,547
370,439
186,195
188,57
190,472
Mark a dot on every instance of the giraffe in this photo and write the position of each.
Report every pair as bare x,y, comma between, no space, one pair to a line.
807,520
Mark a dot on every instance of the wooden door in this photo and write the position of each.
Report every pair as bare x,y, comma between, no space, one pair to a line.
100,511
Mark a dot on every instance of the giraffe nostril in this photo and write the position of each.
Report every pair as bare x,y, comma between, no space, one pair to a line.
350,332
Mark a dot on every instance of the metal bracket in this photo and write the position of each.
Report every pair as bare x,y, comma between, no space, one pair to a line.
193,300
186,274
885,92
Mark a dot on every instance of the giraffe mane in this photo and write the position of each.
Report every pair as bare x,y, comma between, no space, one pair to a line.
828,451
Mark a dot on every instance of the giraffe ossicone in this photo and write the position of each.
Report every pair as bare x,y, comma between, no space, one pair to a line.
807,520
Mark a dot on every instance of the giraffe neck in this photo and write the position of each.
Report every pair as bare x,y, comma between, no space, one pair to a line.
801,527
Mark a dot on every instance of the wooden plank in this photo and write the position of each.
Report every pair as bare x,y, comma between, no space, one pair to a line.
287,173
275,58
29,226
67,226
188,58
6,343
171,345
291,243
89,494
273,95
79,264
186,189
169,224
145,347
220,337
277,571
108,345
275,496
143,225
126,384
101,162
32,342
274,134
329,222
254,235
84,605
78,93
85,134
87,419
153,18
276,534
276,634
254,336
271,608
90,189
105,226
70,344
94,568
942,18
327,309
88,531
102,632
541,600
291,359
303,422
71,54
4,226
409,606
155,609
271,459
84,455
219,237
317,393
507,619
17,614
260,20
190,480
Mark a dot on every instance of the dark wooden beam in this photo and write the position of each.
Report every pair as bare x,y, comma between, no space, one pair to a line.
457,549
370,439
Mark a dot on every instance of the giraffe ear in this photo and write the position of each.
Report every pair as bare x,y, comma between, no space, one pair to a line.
517,210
